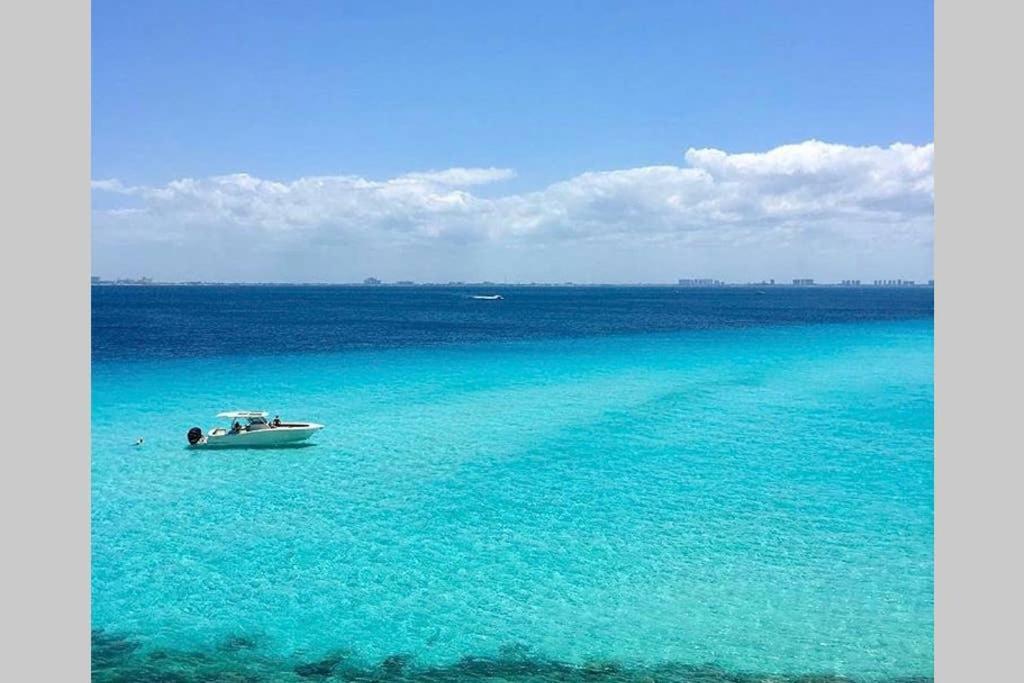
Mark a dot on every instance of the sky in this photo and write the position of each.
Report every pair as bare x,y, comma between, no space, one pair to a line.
528,141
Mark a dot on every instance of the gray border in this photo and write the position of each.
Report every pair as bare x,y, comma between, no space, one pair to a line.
977,459
44,50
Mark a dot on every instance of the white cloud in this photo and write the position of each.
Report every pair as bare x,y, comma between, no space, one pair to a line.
460,177
810,197
110,185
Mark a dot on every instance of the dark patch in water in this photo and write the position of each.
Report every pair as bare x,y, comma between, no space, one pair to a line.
321,669
108,649
394,666
119,659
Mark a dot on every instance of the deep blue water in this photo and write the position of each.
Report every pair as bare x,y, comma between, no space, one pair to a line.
571,484
133,323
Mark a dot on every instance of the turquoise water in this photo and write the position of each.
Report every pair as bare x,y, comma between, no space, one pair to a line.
758,499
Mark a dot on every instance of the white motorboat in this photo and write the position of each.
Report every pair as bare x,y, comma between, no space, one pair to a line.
251,429
488,297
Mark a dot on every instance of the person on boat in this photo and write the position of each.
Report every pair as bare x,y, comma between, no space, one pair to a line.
276,422
236,428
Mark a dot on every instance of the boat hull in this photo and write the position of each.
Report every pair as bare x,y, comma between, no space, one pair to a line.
285,435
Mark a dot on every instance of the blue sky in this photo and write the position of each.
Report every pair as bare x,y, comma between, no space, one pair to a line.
548,91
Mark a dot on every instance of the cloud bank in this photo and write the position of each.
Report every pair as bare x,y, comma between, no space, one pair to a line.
812,208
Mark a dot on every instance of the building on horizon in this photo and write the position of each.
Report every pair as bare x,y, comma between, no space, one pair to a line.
851,283
700,282
371,281
803,282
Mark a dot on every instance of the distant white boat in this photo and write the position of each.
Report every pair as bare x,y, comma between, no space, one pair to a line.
257,432
488,297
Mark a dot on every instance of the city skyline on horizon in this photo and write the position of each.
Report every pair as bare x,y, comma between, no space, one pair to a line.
373,281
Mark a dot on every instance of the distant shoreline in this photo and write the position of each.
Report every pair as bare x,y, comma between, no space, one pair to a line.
521,285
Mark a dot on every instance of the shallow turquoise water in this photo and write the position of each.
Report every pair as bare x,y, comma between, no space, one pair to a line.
760,499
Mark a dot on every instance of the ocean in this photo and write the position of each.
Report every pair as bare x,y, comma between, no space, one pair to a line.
572,483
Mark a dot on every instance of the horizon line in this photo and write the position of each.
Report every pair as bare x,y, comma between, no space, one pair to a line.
805,282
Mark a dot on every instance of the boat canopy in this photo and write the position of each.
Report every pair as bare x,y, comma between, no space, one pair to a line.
235,414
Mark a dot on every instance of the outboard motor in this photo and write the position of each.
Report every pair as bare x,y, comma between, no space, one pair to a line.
194,435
